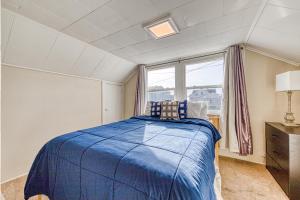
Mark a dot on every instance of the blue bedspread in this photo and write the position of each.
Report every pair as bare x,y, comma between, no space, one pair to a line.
135,159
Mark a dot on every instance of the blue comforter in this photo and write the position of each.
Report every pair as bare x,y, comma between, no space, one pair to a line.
135,159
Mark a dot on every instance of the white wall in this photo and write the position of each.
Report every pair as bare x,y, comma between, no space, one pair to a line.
130,89
264,103
37,106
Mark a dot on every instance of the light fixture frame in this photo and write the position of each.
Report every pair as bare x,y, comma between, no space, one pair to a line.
160,21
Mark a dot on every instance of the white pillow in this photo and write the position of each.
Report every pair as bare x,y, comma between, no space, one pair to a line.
197,109
148,109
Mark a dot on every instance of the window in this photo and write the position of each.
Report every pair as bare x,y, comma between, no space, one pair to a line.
194,80
204,82
161,84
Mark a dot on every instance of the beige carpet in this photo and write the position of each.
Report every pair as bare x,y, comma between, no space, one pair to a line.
248,181
240,181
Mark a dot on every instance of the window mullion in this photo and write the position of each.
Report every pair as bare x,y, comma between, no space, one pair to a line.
179,81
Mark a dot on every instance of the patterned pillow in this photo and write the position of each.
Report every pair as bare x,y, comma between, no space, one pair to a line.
155,109
169,110
182,109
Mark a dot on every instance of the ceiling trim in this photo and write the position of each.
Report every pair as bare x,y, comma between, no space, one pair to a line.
256,50
257,17
57,73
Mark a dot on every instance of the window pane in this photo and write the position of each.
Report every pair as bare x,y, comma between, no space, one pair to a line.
161,95
204,82
161,84
205,73
213,96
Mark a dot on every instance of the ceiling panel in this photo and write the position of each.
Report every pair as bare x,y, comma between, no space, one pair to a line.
238,5
277,30
108,66
28,44
280,44
167,5
239,19
107,19
88,61
43,15
129,36
85,30
7,19
281,19
117,25
13,5
193,47
294,4
34,45
113,69
92,4
134,11
196,12
64,54
126,52
58,13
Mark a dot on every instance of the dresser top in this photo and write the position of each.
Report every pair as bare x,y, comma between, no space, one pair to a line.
285,129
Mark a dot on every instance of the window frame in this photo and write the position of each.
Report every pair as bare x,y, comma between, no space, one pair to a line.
180,91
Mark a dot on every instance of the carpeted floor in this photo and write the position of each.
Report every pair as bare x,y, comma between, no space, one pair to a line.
248,181
240,181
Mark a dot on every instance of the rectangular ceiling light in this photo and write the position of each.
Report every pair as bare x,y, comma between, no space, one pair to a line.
162,28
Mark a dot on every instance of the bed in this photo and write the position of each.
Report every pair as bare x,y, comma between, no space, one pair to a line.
138,158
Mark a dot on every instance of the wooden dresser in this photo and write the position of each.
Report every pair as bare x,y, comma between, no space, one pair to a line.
283,157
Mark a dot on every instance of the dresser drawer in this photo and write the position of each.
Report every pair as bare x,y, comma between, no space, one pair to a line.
279,152
280,175
276,137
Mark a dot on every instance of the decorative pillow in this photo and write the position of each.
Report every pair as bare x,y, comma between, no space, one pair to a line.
169,110
148,109
197,109
182,109
155,109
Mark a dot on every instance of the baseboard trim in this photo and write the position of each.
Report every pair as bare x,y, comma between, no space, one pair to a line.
15,178
250,158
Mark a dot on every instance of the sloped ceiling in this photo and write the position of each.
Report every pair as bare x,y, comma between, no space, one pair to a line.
277,30
26,43
205,25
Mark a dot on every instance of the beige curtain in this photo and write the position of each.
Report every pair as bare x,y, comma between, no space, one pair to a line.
229,139
141,91
236,129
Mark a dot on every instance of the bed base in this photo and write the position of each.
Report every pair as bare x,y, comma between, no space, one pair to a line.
215,120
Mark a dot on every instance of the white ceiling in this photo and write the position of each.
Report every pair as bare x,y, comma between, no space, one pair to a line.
277,31
206,26
26,43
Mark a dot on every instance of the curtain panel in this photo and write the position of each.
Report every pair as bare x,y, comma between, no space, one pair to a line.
141,93
236,129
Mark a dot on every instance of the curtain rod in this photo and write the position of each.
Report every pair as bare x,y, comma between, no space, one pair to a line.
184,59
